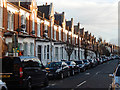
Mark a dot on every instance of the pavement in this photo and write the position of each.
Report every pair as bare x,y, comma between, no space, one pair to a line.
93,79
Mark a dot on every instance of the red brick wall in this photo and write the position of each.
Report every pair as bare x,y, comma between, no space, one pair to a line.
42,28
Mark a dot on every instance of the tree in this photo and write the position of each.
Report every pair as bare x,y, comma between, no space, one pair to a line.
104,50
69,49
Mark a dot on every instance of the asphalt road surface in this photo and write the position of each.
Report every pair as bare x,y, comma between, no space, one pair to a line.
94,78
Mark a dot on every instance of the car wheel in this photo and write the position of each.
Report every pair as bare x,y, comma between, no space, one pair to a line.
68,74
29,86
61,76
3,88
79,70
73,72
46,82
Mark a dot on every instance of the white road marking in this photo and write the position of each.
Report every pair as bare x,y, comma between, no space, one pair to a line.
52,84
97,73
81,84
87,73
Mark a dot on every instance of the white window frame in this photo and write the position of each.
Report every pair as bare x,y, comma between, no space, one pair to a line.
66,36
31,49
76,40
56,53
55,33
38,29
24,22
8,21
59,33
12,21
44,52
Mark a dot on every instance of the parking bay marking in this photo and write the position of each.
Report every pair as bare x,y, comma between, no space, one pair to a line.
81,84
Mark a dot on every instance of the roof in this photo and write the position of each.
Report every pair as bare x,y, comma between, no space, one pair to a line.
44,9
23,4
59,18
76,29
69,24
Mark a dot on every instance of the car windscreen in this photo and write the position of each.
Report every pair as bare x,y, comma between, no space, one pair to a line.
90,60
118,72
85,61
53,65
68,63
10,64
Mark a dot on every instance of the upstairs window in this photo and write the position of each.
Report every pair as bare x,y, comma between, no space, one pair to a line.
38,29
12,22
59,33
24,22
33,25
8,21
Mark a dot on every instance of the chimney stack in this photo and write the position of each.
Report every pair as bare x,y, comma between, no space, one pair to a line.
46,4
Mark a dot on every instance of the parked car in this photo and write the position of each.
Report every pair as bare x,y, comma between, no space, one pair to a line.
98,60
3,85
23,72
87,64
57,70
81,65
101,61
115,79
92,63
73,67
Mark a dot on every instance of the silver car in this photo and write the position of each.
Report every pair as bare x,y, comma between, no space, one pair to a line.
3,85
116,79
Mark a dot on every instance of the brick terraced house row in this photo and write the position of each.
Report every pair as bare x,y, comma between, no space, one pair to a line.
31,30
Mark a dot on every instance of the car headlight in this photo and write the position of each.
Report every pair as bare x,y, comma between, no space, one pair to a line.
117,85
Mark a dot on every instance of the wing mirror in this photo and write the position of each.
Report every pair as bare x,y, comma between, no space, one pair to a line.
111,75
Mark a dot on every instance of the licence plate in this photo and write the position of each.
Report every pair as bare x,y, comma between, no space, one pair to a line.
4,76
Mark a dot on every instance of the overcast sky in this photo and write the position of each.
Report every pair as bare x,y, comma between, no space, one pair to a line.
96,16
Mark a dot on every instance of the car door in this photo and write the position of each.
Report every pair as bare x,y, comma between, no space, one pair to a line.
66,68
75,66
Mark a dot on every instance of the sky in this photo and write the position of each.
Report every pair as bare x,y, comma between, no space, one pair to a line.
99,17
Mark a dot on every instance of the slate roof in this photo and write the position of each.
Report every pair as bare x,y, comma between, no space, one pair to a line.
59,18
44,9
23,4
76,30
69,23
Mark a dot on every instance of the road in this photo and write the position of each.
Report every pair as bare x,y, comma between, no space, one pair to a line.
94,78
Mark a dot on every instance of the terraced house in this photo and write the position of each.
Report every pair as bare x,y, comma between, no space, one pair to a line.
32,30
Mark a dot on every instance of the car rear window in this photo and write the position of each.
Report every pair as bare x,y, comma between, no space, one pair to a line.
53,65
10,64
68,63
31,63
84,60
